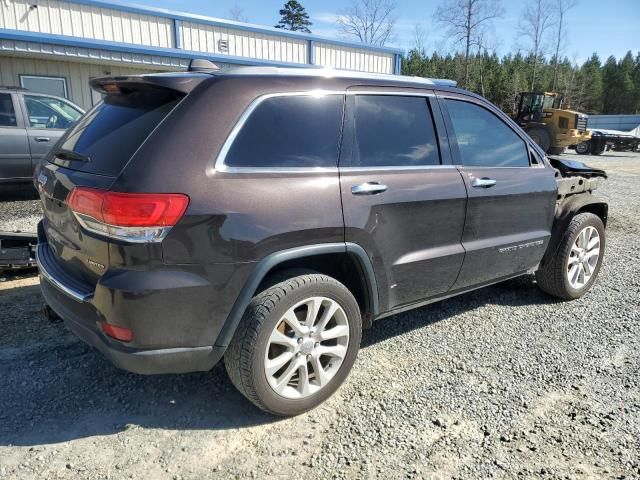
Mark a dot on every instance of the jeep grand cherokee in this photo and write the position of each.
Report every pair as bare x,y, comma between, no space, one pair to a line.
268,215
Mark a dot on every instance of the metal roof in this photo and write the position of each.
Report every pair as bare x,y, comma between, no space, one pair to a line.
176,15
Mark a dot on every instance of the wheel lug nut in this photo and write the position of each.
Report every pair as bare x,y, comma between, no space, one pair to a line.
299,340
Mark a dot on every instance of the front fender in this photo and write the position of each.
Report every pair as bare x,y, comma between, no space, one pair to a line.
568,208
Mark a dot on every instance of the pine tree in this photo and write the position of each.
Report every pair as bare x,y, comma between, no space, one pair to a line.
611,87
294,17
591,76
627,92
636,81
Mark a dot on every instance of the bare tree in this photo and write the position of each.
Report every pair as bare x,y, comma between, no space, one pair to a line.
236,13
562,7
419,36
370,21
466,22
536,20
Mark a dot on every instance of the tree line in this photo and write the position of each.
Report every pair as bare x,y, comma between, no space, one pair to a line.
612,87
596,87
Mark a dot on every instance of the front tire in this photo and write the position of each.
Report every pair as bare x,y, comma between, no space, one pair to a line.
574,267
295,344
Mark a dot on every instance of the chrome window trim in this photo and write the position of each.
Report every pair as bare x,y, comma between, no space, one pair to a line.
525,140
384,93
392,168
220,166
219,163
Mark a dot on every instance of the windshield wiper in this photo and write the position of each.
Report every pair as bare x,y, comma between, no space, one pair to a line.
70,155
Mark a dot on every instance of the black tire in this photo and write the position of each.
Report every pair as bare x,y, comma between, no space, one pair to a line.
556,150
245,357
583,148
552,275
541,137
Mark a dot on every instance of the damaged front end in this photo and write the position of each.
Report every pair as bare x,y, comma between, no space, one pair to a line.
576,183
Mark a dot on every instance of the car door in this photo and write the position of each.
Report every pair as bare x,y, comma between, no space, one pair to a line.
511,195
403,200
15,159
46,119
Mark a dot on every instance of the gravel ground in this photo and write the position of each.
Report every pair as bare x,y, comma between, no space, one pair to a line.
503,382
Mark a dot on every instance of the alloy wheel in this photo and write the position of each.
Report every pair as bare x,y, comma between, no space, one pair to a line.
583,258
306,348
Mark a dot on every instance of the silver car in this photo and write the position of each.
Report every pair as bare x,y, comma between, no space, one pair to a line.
30,124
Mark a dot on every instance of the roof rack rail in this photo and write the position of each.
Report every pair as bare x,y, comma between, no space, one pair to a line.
330,72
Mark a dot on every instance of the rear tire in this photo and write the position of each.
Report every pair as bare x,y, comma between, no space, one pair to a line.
541,137
572,270
295,344
583,148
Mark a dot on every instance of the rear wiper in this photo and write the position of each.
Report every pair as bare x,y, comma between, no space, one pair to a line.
70,155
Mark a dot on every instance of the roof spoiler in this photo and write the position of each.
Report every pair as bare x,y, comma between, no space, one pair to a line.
180,82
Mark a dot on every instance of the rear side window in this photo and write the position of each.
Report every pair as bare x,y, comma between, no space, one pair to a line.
393,131
289,131
7,113
483,139
111,132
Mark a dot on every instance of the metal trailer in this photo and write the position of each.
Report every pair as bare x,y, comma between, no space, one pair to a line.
17,250
602,140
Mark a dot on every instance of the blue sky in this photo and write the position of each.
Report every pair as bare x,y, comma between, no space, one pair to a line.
608,28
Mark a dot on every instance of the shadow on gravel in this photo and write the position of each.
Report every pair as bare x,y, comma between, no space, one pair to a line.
54,388
14,193
518,292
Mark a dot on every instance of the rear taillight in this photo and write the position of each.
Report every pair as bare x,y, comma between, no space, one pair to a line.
134,217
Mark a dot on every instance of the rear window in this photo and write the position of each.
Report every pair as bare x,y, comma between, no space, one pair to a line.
110,133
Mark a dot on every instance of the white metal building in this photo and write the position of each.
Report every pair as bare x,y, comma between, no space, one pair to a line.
55,46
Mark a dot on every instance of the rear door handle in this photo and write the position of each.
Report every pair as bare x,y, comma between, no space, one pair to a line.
483,182
369,188
42,139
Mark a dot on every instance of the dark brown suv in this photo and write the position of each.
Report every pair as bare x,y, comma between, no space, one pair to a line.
269,215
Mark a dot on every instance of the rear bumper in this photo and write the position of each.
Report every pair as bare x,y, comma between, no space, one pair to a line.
82,310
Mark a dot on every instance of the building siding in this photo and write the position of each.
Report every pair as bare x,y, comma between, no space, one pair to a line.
358,59
86,21
96,21
200,37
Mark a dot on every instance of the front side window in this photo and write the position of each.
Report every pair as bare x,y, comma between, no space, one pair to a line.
48,85
289,131
7,113
49,112
483,139
393,131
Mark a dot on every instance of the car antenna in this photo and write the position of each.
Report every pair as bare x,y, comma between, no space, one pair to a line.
202,65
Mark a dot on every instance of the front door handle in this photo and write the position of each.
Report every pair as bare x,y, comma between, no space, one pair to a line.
42,139
369,188
483,182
